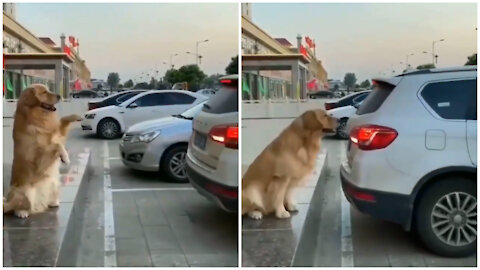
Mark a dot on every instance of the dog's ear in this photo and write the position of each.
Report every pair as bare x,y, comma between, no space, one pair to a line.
28,98
311,121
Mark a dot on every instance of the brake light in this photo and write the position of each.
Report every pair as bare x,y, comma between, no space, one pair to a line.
329,106
360,195
225,134
226,81
222,191
372,137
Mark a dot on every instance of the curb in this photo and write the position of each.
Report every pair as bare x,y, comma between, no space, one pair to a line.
305,252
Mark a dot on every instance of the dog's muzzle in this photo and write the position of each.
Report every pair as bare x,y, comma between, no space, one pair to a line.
48,107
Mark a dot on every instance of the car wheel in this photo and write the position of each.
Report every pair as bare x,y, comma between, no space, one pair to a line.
342,129
173,164
446,217
108,129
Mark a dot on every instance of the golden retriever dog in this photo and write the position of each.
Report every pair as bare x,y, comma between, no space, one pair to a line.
39,145
287,162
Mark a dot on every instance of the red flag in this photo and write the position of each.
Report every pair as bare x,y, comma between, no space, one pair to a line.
303,50
67,50
72,41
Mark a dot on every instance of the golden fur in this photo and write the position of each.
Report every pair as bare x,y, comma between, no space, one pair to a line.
39,138
287,162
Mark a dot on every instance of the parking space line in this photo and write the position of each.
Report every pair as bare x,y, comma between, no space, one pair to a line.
114,158
152,189
346,236
110,255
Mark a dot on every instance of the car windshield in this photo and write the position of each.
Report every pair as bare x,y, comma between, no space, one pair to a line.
193,111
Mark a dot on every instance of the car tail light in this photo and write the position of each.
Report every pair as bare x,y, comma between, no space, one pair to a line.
225,134
92,106
329,106
360,195
372,137
222,191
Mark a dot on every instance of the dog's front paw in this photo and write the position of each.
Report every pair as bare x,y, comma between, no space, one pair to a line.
255,215
64,157
282,213
21,213
291,207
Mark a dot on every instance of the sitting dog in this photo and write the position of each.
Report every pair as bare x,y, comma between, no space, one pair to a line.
287,162
39,144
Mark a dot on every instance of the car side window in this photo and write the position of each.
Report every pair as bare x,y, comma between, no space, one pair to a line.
150,100
177,98
452,99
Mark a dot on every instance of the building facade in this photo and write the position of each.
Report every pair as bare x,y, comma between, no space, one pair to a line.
29,59
274,68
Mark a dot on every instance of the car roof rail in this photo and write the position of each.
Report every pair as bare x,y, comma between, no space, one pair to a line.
439,70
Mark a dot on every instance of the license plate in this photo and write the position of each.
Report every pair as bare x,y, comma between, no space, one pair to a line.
200,140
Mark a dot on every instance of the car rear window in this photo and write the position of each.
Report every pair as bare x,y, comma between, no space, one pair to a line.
452,99
376,98
225,100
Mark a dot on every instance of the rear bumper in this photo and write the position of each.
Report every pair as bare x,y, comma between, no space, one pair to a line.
213,190
393,207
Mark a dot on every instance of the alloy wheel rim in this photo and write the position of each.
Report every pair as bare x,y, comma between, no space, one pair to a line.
341,129
177,165
109,129
454,219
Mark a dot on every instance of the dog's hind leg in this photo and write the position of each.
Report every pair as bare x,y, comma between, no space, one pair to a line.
55,200
289,201
276,190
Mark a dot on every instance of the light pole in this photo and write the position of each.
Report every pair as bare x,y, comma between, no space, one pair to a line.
406,60
198,58
196,51
434,56
171,56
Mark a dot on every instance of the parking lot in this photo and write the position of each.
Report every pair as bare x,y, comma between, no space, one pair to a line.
347,237
148,221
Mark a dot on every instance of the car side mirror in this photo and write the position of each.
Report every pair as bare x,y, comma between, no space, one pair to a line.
356,105
132,105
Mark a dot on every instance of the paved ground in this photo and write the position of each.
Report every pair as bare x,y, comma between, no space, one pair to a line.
153,222
373,242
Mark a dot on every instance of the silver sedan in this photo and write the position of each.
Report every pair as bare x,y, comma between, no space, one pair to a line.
160,145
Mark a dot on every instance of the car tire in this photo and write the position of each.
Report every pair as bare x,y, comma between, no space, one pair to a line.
108,129
341,130
441,216
173,164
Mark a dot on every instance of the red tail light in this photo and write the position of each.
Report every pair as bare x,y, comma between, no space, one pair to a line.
225,134
359,195
222,191
329,106
372,137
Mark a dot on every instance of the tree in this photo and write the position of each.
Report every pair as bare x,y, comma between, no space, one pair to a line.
349,81
120,86
153,83
232,68
336,87
426,66
472,60
189,73
128,84
113,80
142,85
211,81
365,84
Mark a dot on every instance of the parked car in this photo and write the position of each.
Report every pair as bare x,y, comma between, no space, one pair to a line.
321,94
160,144
343,109
113,99
412,156
111,121
212,155
352,99
85,94
206,92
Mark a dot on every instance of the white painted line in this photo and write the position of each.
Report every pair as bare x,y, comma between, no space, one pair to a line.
114,158
110,255
152,189
346,237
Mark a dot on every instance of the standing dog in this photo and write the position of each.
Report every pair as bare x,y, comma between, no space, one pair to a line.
288,161
39,138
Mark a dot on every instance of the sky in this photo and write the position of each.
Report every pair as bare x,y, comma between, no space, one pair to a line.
368,39
135,38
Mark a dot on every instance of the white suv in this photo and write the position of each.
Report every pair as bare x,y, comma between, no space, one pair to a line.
412,156
212,155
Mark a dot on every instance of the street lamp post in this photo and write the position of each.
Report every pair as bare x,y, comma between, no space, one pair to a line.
197,57
434,56
406,60
171,61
